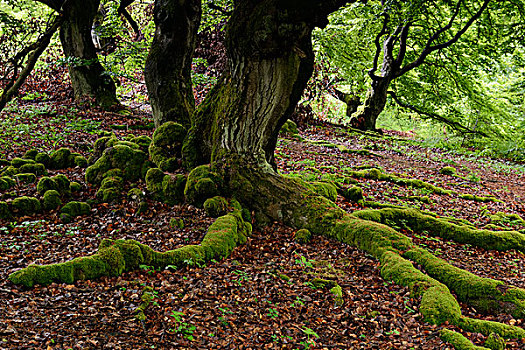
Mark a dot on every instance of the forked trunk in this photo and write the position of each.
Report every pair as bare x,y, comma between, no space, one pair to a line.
168,66
88,77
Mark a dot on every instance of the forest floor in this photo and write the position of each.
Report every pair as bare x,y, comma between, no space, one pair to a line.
261,296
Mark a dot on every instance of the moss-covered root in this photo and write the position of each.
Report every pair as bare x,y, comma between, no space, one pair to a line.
147,297
485,294
440,227
458,340
117,256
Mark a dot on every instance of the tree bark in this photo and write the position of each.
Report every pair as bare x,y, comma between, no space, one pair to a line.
88,77
375,101
168,66
268,45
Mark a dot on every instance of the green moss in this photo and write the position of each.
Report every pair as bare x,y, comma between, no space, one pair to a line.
46,184
75,208
75,187
173,188
337,291
30,154
51,200
325,189
5,213
60,159
100,146
458,340
136,194
440,227
354,194
80,161
166,146
476,198
25,206
121,157
289,127
201,185
9,171
216,206
303,236
115,257
154,178
6,183
110,189
448,170
18,162
147,297
33,168
495,342
176,223
43,158
26,177
143,141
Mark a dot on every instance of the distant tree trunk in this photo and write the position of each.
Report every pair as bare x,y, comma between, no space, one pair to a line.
168,66
365,118
88,77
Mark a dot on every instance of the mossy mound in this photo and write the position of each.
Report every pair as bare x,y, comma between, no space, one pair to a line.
58,183
173,188
61,159
165,149
43,158
122,157
216,206
459,341
9,171
100,145
25,177
303,236
6,183
75,187
143,142
117,256
495,342
202,184
448,170
30,154
354,194
5,213
25,206
33,168
165,187
51,200
18,162
289,127
110,189
74,209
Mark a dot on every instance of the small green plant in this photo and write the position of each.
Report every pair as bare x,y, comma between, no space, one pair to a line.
296,302
241,277
310,333
224,311
183,328
272,313
147,268
301,260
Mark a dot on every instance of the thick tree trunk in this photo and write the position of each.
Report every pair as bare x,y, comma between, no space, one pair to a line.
168,66
270,61
87,74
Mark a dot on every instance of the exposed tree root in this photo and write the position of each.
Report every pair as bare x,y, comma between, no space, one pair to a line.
377,174
117,256
292,202
344,149
458,340
441,227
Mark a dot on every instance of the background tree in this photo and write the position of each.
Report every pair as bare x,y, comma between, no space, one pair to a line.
427,50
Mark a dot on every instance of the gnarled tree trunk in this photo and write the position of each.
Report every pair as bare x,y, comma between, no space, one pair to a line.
365,117
168,66
88,77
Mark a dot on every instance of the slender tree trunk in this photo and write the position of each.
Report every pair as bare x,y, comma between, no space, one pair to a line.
168,66
365,118
87,74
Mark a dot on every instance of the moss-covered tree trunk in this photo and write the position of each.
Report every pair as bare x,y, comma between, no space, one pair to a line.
88,77
168,66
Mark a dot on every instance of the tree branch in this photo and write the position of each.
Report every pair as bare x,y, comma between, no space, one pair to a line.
43,42
429,48
377,42
455,125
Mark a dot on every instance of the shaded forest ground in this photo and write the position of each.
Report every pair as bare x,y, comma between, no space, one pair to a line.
262,296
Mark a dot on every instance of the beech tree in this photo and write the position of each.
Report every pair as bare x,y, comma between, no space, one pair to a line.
229,150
